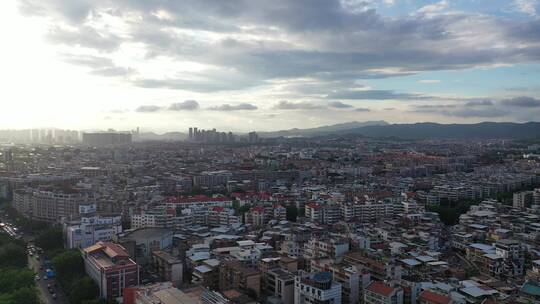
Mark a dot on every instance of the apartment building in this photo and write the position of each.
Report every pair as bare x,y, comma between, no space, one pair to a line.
51,204
111,268
167,267
316,288
522,199
368,211
330,247
232,275
90,229
280,283
323,213
379,293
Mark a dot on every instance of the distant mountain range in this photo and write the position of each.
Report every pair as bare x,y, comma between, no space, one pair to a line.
483,130
324,130
380,129
169,136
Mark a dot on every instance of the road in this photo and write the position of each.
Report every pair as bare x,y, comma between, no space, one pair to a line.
41,284
35,264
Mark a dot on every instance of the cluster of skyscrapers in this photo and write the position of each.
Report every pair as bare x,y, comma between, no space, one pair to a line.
214,136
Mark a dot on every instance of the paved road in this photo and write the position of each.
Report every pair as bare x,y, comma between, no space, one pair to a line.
45,296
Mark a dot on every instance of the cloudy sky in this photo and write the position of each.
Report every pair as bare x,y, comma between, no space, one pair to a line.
264,65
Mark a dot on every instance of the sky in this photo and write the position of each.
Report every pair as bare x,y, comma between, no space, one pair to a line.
244,65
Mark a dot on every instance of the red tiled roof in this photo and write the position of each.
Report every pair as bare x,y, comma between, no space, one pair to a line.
380,288
314,205
432,297
114,250
195,199
265,196
259,209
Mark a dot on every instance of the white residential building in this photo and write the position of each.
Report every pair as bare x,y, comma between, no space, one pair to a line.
316,288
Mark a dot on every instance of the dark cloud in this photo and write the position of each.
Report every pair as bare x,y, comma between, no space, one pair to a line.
461,110
259,41
436,106
204,82
101,66
522,101
479,103
85,36
339,105
373,94
227,107
188,105
304,105
148,109
71,11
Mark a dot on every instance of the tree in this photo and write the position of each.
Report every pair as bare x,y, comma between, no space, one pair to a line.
236,205
50,239
245,208
292,213
69,266
83,289
25,295
12,255
13,279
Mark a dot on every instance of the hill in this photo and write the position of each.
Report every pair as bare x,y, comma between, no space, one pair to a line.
324,130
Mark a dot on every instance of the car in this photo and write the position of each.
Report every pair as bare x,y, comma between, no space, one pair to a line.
54,295
51,291
37,278
45,277
48,285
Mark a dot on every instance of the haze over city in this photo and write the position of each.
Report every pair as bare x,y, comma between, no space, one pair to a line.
266,65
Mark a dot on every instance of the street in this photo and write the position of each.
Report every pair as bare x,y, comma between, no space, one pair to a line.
42,283
35,264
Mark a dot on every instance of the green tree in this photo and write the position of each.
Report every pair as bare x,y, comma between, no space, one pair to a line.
12,255
69,266
83,289
245,208
236,205
292,213
50,239
13,279
25,295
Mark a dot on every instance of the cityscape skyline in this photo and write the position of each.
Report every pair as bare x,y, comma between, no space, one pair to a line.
107,64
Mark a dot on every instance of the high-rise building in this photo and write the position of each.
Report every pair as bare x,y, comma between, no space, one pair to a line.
536,198
522,199
107,138
253,137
